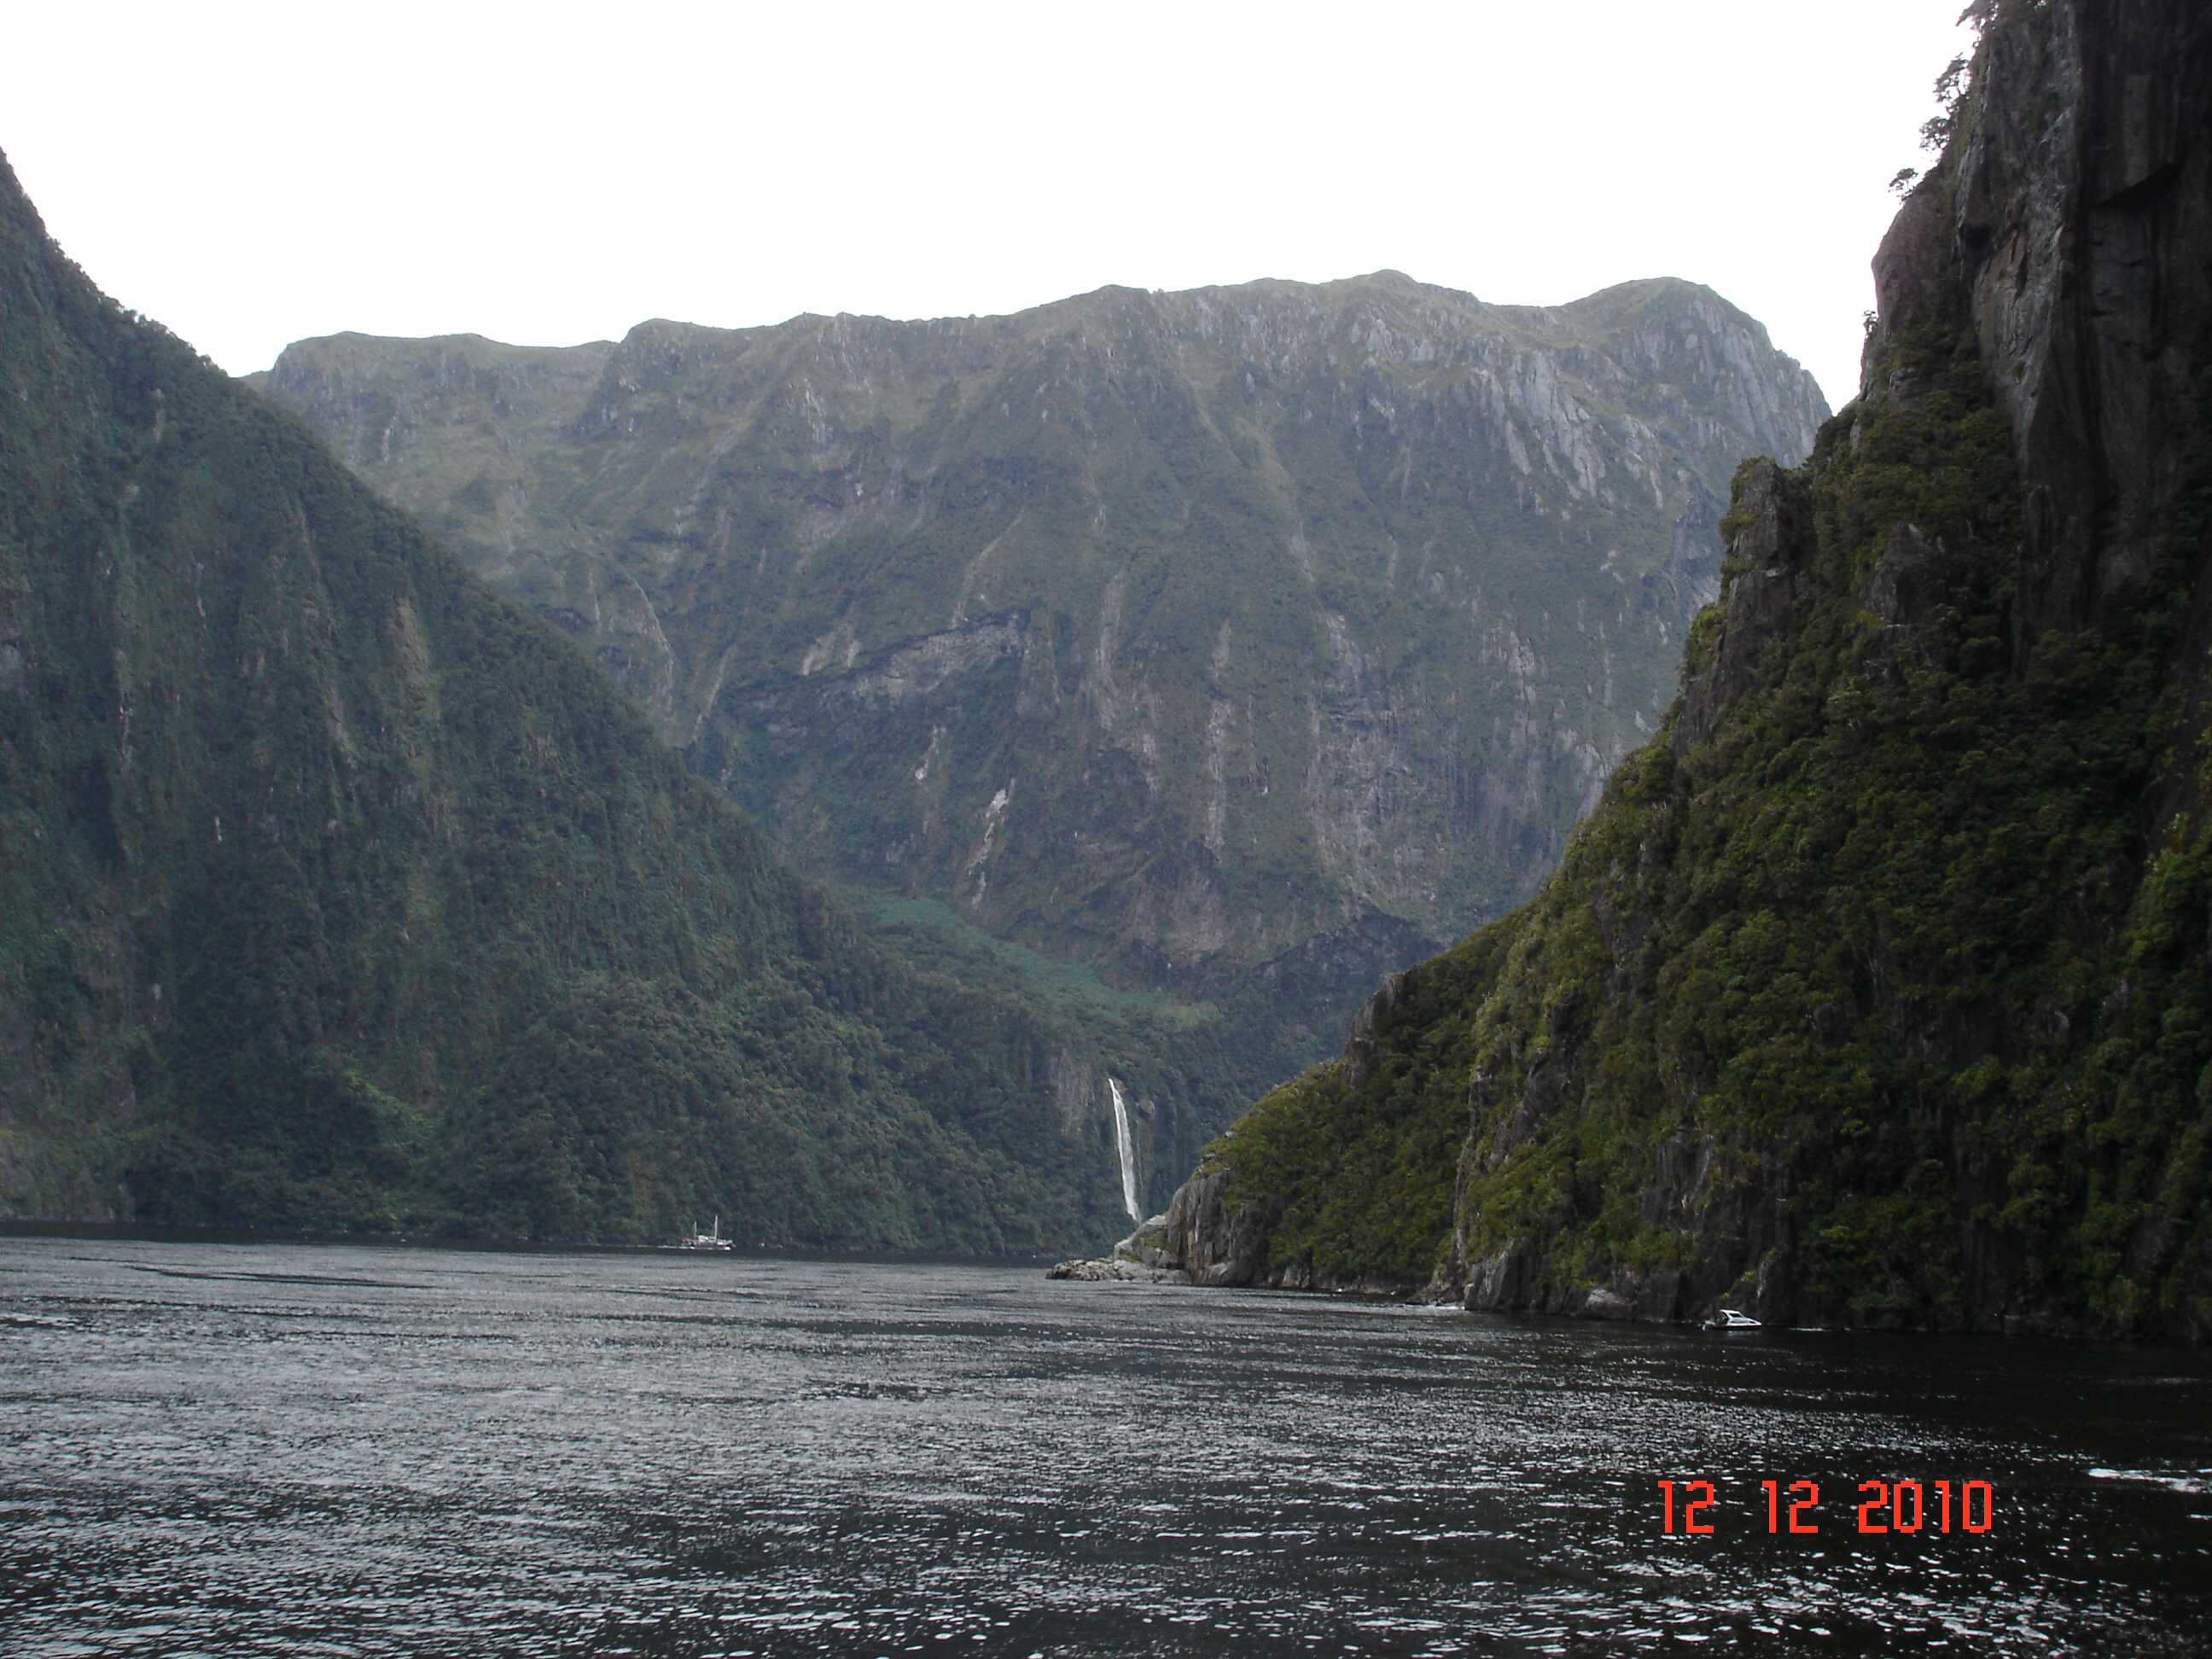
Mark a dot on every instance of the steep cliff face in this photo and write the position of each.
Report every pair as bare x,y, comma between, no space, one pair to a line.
335,892
1169,633
1880,985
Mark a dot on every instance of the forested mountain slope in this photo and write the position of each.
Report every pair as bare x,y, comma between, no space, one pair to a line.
1242,643
1878,985
335,892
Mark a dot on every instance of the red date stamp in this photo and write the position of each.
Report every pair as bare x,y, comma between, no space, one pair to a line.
1884,1506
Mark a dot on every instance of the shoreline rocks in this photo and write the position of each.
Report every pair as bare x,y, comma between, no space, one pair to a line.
1117,1268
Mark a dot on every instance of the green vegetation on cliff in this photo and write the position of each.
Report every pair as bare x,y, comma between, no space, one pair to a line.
336,893
1880,984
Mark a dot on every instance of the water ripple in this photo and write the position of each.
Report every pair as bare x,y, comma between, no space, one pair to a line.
304,1449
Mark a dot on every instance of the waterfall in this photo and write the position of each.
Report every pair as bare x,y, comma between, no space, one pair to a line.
1128,1152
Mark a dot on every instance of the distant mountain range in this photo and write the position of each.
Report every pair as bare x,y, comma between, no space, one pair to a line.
1239,644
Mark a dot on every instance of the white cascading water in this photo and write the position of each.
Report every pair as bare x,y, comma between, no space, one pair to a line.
1128,1151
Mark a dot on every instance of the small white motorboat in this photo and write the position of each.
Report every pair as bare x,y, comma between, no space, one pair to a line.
1730,1319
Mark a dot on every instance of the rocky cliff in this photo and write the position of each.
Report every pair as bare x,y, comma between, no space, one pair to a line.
1879,984
337,893
1242,643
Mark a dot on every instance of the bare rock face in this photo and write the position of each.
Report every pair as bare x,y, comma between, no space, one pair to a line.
1211,1241
2083,194
1770,510
1361,1049
1912,267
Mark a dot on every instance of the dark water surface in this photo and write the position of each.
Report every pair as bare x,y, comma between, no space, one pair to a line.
333,1450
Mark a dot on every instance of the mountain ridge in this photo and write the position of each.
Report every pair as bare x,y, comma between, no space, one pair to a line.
1197,577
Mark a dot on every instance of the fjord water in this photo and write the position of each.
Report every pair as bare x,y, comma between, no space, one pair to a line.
295,1448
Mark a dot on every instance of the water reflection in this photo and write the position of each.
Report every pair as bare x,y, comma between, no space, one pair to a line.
311,1449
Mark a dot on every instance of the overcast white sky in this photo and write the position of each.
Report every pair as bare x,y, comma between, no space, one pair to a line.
251,174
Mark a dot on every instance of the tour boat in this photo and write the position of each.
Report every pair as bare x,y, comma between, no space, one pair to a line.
712,1241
